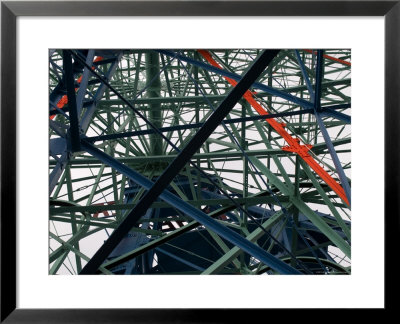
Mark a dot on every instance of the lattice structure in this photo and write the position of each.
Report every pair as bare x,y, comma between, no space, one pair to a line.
200,161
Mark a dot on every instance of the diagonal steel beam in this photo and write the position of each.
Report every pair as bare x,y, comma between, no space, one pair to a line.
84,83
87,116
336,114
183,157
305,76
335,158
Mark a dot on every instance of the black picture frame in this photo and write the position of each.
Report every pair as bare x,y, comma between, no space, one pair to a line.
10,10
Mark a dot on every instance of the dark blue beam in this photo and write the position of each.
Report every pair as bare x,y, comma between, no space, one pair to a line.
318,80
84,83
86,118
59,90
342,176
338,106
73,132
196,125
305,75
336,114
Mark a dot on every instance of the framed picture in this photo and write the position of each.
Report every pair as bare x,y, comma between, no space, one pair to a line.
365,31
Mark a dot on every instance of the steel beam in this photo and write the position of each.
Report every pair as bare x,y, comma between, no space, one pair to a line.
84,83
153,91
73,131
87,116
318,80
305,76
339,169
336,114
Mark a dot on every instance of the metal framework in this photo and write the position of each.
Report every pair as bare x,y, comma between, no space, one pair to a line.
233,161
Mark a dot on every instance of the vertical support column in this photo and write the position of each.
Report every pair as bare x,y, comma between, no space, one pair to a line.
243,144
318,80
269,106
303,78
295,210
73,132
312,77
197,112
153,91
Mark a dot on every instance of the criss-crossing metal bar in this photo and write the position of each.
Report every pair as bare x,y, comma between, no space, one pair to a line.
178,190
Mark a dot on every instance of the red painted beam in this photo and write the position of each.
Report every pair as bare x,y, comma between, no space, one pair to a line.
294,143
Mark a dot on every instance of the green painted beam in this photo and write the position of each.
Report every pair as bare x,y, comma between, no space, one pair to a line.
249,201
235,251
170,157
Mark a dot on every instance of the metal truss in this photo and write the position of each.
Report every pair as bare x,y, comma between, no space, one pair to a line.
200,161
